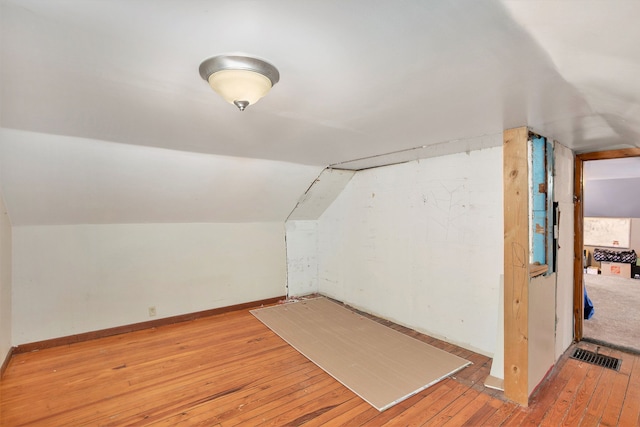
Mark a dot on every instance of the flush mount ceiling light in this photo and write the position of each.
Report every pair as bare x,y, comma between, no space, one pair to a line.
240,80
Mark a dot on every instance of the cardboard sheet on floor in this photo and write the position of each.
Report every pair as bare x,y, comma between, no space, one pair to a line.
379,364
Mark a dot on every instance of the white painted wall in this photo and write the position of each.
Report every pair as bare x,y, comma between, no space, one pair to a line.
563,194
496,376
302,258
634,240
5,281
541,338
302,230
551,297
421,244
79,278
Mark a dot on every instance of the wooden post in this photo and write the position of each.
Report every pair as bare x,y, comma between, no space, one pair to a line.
578,247
516,265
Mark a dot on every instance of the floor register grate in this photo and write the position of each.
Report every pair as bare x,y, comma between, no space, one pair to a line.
596,359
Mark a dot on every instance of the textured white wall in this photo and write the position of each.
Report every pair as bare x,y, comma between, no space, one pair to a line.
541,338
302,258
79,278
302,230
5,281
421,243
564,169
551,297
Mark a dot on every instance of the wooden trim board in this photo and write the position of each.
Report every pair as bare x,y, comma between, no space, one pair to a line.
610,154
379,364
55,342
578,247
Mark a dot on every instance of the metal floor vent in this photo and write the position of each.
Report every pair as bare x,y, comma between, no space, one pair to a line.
596,359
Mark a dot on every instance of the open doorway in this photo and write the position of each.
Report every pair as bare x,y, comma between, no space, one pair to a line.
605,265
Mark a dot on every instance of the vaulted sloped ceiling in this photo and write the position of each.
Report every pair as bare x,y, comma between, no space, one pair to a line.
55,180
358,78
593,45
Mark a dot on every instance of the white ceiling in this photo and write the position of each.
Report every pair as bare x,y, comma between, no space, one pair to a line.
359,78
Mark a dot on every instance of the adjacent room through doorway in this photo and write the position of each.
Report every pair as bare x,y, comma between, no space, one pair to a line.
611,241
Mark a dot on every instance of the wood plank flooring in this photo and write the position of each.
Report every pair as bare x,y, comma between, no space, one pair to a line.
229,370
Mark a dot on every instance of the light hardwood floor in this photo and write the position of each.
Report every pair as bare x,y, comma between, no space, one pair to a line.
229,369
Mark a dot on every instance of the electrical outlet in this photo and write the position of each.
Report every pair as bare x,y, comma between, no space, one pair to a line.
152,311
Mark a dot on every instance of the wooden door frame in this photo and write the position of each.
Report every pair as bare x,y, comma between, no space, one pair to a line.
578,239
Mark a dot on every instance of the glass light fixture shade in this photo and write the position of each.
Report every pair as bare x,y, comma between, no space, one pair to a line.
240,85
240,80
